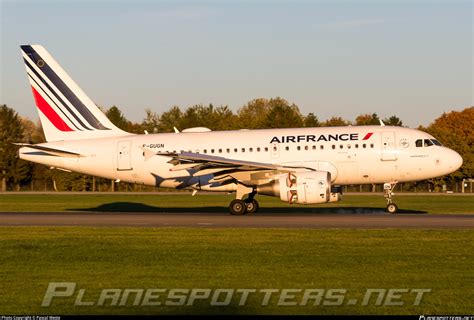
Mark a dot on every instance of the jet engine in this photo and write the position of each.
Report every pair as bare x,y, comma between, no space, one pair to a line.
302,187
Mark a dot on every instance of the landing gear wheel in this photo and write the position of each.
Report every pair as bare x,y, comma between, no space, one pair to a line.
238,207
392,208
252,206
388,188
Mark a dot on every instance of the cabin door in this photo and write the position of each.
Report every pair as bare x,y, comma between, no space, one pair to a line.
389,151
124,155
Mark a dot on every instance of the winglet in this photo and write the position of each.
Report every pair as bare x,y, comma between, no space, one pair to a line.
381,123
175,130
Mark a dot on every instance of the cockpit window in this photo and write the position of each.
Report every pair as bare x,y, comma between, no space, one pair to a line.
428,143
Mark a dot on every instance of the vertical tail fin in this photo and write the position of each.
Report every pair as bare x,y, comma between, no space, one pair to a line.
65,111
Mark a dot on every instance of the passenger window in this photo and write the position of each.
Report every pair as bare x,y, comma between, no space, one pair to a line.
266,149
243,149
306,147
341,146
314,147
235,150
287,148
258,149
205,150
371,145
228,150
428,143
321,147
220,150
348,146
357,145
419,143
212,150
333,146
250,149
298,148
364,146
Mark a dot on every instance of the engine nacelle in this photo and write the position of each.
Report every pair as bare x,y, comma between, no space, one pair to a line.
300,187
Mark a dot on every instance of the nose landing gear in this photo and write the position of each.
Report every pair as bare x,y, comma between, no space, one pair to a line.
388,187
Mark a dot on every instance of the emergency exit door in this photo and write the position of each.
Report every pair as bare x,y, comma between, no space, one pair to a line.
124,156
389,150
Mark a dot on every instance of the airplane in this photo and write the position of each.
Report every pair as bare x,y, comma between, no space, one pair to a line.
298,165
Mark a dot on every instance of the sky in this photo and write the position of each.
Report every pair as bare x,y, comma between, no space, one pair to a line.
413,59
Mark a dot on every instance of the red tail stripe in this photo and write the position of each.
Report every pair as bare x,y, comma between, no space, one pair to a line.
49,112
368,135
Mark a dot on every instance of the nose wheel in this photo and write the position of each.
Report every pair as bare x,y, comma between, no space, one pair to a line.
391,206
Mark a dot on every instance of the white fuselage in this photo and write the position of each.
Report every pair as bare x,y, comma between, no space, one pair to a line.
388,154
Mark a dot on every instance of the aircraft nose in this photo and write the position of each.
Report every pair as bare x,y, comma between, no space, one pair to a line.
454,160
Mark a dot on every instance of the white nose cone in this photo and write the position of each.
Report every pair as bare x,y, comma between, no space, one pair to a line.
454,160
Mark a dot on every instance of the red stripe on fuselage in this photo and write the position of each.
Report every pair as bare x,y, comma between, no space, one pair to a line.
49,112
368,135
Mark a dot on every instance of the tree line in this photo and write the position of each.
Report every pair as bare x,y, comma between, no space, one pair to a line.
453,129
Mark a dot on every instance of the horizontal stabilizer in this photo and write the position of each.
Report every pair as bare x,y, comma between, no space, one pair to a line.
52,151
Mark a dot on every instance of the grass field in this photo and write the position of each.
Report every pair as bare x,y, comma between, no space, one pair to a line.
219,203
187,258
99,258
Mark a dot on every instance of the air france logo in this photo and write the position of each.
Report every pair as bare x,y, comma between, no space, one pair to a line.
323,137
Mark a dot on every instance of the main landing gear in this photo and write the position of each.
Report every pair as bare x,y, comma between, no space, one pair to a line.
239,206
252,205
388,187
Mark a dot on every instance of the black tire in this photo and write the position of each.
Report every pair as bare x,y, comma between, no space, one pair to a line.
252,206
392,208
238,207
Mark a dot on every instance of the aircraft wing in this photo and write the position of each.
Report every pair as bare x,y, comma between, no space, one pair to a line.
199,159
203,164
